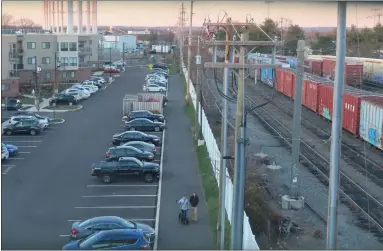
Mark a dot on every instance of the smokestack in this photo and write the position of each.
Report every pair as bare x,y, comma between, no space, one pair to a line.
49,15
53,16
79,29
45,14
88,13
58,16
62,16
94,16
70,17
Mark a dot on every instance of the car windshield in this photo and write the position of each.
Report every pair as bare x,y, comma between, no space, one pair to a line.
130,224
85,223
84,243
12,101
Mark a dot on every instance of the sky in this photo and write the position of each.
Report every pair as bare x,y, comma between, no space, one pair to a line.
165,13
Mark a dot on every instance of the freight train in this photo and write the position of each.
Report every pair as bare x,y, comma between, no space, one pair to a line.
362,110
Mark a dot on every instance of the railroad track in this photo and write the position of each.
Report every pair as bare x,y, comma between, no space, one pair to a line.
365,207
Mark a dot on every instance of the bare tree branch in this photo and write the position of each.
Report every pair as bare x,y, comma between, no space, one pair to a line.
6,19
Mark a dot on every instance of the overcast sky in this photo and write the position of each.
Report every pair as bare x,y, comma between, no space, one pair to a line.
165,13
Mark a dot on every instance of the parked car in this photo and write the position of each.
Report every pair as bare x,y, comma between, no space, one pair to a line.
116,152
94,83
154,88
160,72
143,146
115,239
42,121
62,99
12,150
156,82
12,104
84,92
156,77
99,80
31,127
147,115
83,229
4,152
79,95
161,66
91,89
107,171
129,136
36,115
143,124
111,69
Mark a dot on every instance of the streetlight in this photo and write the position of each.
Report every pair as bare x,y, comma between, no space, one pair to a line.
55,85
37,92
110,65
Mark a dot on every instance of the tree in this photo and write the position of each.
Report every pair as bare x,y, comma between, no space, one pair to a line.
269,27
6,19
324,44
25,22
293,34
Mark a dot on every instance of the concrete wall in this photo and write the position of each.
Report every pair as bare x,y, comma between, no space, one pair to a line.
27,77
38,52
10,88
68,38
6,40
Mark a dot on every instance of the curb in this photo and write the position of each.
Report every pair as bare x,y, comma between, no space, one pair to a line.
57,123
51,110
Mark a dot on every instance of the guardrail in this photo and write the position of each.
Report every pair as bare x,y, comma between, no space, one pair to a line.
249,242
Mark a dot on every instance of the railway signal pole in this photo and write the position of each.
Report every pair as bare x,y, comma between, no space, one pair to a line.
239,177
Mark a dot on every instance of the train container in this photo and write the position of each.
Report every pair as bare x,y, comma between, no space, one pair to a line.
267,76
371,121
372,68
353,71
351,105
378,78
310,94
292,62
289,83
280,80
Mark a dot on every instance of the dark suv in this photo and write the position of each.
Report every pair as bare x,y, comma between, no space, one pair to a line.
114,153
12,104
146,115
31,127
62,99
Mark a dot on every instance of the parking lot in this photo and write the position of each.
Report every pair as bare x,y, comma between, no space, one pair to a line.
51,186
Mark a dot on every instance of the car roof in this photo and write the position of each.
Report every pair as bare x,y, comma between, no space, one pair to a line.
105,219
122,146
139,111
138,142
115,232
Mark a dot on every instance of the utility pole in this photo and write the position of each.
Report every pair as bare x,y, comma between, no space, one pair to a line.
375,10
189,53
239,182
182,35
296,137
336,129
224,126
198,95
110,66
55,85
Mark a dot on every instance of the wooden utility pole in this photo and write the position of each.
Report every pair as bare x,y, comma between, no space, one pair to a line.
198,96
182,35
187,98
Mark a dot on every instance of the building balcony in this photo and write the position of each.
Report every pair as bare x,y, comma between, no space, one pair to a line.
13,74
84,50
84,65
14,55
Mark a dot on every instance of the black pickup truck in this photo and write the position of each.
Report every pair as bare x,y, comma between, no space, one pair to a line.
126,166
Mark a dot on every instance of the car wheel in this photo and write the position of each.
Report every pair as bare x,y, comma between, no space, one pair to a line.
148,177
132,129
157,129
106,178
32,132
8,132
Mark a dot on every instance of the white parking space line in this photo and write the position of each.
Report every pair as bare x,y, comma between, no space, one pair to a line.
24,141
64,235
7,170
16,158
26,146
24,152
125,219
118,195
122,185
7,165
116,207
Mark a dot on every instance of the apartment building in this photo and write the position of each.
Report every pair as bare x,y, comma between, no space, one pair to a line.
75,55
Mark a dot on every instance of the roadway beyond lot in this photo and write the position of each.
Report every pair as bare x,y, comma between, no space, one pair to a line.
42,197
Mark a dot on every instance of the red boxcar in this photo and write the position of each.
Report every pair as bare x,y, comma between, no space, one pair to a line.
289,84
353,71
351,105
314,66
280,80
310,94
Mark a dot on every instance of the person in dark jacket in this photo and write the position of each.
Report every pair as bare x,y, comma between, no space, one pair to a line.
194,200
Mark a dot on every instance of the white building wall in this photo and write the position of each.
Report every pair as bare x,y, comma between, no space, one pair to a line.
130,42
68,54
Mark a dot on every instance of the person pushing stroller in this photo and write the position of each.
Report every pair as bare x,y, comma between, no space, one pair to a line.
184,206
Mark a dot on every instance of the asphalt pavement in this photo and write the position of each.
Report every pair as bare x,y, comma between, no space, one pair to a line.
43,197
180,176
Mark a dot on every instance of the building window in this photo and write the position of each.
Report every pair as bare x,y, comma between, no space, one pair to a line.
58,46
64,46
73,61
72,46
5,87
90,42
64,61
72,74
46,60
31,45
81,59
47,75
32,60
45,45
64,74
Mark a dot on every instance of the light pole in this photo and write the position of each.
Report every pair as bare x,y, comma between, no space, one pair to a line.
37,91
55,85
110,67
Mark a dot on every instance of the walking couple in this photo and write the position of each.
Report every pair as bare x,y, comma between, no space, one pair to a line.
191,203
